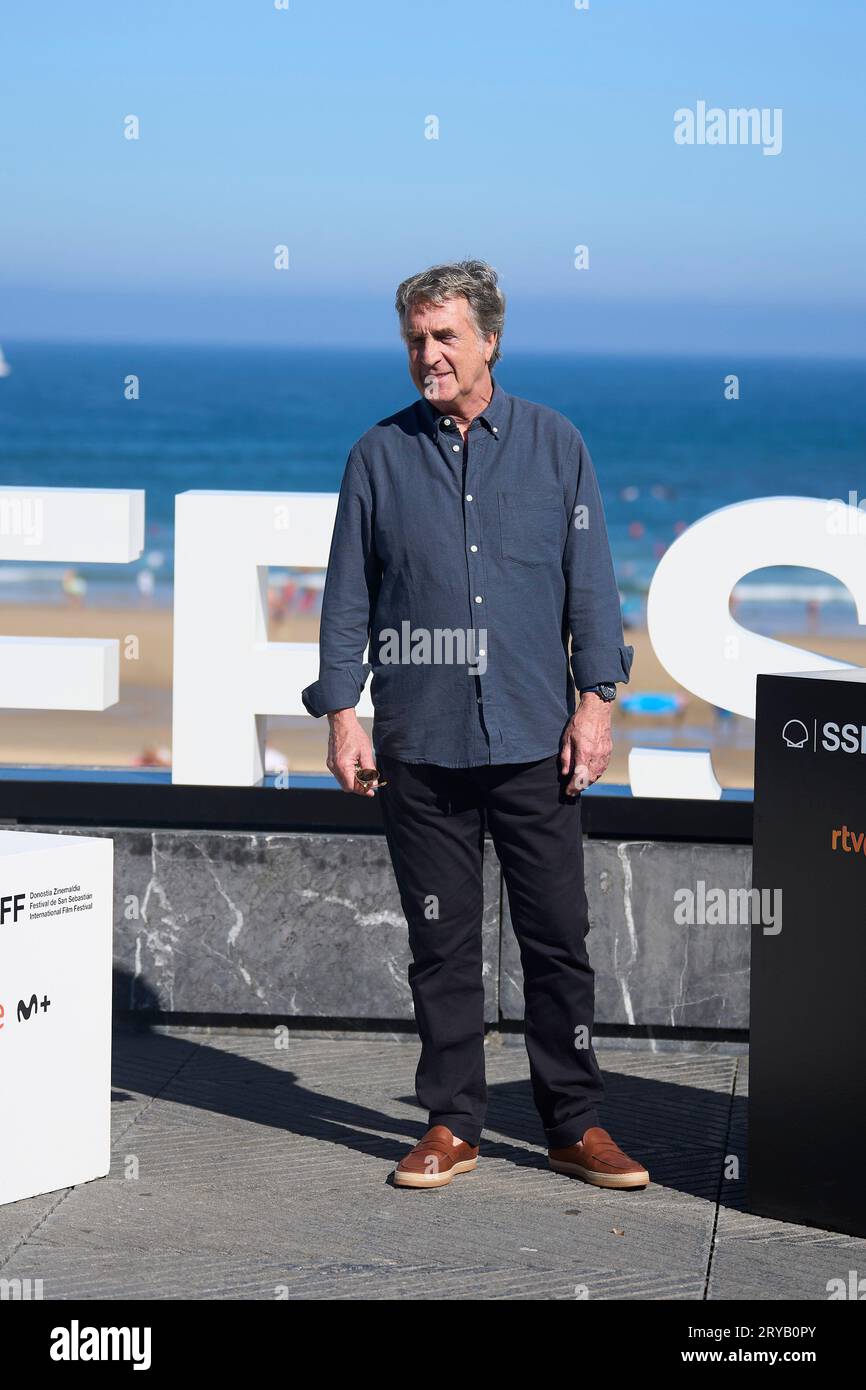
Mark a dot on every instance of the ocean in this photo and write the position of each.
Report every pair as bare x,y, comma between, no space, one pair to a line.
667,445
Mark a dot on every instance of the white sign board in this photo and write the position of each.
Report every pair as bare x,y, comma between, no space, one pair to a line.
56,912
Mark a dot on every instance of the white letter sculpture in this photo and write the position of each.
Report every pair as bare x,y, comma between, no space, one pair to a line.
701,645
75,525
227,676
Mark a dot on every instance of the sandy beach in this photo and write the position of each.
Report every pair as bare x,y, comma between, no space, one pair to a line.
141,721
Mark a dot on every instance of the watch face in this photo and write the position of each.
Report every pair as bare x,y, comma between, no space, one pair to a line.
607,692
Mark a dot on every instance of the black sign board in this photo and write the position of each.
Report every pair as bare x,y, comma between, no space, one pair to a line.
807,1067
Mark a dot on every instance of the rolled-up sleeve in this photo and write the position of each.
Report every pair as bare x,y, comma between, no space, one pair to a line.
349,598
598,652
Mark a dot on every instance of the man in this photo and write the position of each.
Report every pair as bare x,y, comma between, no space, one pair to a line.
469,546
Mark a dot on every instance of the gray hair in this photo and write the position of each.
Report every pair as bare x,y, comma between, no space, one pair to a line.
474,280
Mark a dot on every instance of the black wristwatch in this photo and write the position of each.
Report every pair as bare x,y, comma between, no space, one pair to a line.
604,691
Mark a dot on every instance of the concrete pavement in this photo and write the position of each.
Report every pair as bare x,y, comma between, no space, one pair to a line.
249,1165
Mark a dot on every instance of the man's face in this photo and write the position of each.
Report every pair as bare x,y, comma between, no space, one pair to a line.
447,358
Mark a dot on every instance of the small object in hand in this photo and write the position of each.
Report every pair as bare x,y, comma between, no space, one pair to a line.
369,777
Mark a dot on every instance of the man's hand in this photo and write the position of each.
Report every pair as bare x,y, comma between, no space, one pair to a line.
348,743
586,745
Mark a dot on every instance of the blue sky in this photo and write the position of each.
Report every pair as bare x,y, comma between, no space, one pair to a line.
306,127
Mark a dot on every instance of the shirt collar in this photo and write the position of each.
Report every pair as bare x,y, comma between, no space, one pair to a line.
493,417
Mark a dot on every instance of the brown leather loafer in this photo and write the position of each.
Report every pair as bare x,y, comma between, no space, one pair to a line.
598,1160
435,1160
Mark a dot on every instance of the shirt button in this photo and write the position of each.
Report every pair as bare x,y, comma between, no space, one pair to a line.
473,547
479,700
469,497
446,422
481,651
495,430
478,598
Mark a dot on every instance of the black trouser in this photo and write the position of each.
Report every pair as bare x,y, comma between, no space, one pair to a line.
434,821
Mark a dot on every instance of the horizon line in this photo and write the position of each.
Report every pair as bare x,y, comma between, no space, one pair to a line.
380,349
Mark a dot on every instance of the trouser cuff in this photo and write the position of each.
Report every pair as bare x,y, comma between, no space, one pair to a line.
571,1131
460,1126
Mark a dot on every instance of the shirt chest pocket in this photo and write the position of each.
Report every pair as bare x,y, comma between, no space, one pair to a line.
530,526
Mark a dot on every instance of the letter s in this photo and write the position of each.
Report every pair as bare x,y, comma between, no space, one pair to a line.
830,739
850,738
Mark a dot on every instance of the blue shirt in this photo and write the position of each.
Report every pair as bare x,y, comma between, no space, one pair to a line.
468,565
